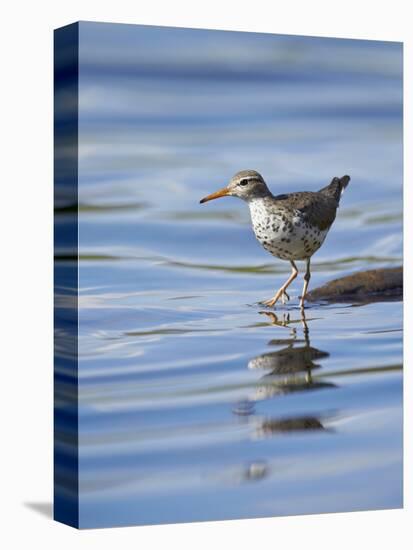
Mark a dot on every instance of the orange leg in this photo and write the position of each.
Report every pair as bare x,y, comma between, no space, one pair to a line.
307,278
281,293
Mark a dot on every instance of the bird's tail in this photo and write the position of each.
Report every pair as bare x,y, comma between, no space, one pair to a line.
336,188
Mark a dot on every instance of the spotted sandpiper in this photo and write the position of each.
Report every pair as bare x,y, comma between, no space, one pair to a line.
291,226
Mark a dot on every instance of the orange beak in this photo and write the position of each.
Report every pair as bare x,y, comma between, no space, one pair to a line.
224,192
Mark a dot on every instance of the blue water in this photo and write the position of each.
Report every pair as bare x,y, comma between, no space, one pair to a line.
181,416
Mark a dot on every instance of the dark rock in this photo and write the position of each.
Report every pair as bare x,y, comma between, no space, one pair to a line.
374,285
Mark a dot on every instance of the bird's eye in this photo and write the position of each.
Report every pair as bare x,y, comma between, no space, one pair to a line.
243,182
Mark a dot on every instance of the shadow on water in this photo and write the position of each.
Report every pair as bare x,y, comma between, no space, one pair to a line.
289,370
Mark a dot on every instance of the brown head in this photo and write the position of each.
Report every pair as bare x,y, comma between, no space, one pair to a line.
246,185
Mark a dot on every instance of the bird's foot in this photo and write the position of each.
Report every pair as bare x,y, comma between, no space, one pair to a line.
272,301
302,304
268,303
285,297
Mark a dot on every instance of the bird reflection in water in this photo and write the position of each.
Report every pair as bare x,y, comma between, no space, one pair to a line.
287,370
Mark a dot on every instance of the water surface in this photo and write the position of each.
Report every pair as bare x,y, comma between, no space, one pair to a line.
195,402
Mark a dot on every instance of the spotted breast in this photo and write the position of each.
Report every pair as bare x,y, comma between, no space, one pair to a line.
287,232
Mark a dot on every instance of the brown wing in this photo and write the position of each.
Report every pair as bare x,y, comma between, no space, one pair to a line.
318,209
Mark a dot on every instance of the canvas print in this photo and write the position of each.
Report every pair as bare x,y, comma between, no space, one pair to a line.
228,275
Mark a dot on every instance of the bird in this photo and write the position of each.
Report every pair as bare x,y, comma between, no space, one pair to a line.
291,226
